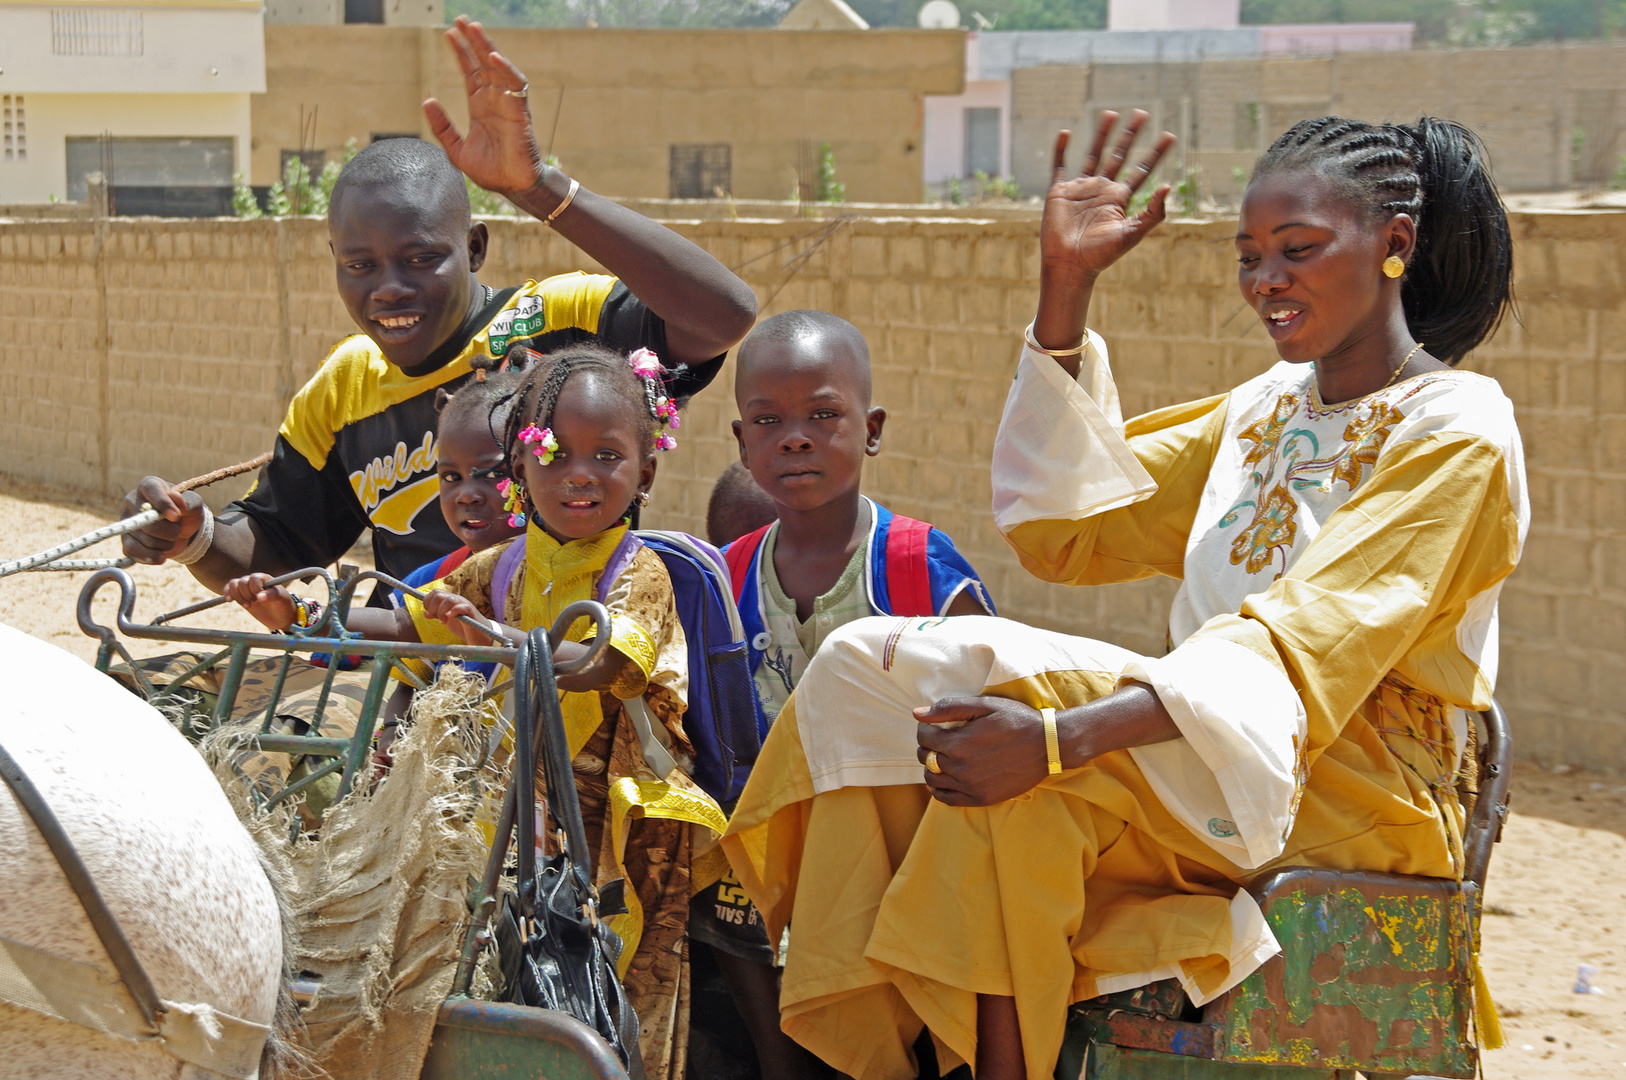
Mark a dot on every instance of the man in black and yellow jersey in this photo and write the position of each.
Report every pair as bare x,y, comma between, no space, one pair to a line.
357,448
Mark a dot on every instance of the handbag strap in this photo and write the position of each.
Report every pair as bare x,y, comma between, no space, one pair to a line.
539,722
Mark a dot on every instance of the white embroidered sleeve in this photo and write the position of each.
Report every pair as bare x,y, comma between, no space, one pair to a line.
1060,452
1234,779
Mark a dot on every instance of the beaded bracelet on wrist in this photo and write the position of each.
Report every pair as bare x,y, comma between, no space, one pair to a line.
307,613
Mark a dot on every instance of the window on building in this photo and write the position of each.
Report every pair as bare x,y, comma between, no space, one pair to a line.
313,159
16,127
982,142
364,11
161,176
95,32
701,170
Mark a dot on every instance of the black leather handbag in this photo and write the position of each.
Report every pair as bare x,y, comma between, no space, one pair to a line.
555,951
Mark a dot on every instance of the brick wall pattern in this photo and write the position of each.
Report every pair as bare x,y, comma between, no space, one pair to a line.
172,347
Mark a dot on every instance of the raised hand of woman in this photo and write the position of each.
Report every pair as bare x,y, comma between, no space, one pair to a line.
1087,225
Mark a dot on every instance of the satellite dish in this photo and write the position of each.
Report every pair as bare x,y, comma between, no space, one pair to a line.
939,15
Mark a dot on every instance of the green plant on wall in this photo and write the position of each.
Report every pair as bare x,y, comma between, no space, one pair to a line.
1185,193
297,192
489,204
486,203
243,203
301,193
331,171
994,188
828,188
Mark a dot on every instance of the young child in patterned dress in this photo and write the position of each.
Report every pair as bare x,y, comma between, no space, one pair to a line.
580,436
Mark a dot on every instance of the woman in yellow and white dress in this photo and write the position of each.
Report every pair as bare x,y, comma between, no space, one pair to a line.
1086,816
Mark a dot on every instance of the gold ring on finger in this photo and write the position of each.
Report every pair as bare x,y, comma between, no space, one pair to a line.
931,762
522,93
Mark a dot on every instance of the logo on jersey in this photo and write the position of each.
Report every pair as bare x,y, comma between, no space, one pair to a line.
525,319
393,489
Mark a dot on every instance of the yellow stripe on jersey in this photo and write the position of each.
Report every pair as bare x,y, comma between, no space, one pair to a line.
355,381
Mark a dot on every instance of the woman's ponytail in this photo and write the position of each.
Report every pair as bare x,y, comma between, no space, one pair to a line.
1459,281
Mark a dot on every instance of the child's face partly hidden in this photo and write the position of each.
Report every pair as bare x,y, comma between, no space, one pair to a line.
600,465
469,498
805,425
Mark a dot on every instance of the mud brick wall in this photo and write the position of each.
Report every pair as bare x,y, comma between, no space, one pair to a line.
142,346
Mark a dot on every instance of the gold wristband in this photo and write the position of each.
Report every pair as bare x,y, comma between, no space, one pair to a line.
1033,343
1052,742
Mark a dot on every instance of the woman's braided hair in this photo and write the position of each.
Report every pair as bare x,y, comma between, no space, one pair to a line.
1459,281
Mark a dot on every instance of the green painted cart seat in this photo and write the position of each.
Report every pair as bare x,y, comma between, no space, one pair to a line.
494,1041
1375,975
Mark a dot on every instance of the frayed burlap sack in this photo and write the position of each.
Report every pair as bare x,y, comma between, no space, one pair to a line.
379,895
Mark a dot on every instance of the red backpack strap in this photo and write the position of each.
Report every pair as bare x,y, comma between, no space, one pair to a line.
908,577
739,554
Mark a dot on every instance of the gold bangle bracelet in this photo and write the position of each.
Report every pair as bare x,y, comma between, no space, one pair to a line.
570,195
1033,343
1052,741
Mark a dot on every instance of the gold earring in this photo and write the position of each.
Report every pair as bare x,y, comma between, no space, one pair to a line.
1394,266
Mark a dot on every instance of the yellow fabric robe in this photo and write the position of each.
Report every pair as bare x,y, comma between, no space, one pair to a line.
1365,582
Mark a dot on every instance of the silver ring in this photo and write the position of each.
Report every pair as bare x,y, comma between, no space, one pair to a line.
522,93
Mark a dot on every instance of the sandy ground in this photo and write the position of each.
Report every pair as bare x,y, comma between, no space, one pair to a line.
1556,896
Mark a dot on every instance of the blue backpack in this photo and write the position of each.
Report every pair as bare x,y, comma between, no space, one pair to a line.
724,721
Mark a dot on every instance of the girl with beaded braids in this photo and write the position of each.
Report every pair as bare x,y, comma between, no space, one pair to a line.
581,429
978,823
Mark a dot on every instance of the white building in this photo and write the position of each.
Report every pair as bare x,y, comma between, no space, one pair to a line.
154,95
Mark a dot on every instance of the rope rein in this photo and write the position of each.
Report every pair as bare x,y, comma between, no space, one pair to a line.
141,520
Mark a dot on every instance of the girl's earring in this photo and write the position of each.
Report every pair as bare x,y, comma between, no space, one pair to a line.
642,499
1394,266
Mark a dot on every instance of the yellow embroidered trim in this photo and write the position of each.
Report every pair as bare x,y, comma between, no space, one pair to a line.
707,870
656,799
629,928
555,575
633,642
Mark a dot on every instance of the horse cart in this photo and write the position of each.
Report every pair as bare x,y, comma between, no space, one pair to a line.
1376,977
